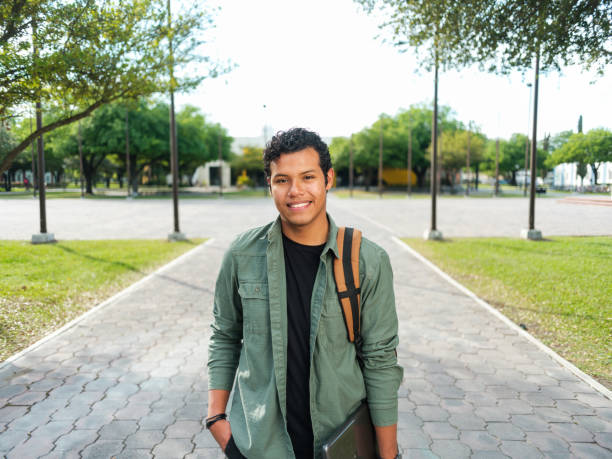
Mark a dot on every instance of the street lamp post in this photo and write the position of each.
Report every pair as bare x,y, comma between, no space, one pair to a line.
43,237
34,179
128,174
409,171
527,142
176,235
497,167
440,161
531,232
433,233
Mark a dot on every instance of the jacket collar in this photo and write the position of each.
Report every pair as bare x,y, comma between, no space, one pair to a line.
274,234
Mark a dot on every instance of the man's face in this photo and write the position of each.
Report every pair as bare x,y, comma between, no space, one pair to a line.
298,187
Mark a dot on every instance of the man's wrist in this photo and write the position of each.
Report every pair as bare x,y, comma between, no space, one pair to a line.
210,421
397,456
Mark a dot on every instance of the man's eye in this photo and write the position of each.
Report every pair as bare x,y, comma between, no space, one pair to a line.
309,177
281,180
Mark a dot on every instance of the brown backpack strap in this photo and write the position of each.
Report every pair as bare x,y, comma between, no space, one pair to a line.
346,273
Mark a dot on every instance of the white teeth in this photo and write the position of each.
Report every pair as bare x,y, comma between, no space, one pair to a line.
304,204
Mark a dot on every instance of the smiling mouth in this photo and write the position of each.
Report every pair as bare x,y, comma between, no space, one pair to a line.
299,205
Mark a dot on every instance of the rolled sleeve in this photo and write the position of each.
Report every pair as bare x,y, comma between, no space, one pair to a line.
226,339
381,372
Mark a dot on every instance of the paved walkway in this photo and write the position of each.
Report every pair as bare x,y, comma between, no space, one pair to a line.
152,218
130,380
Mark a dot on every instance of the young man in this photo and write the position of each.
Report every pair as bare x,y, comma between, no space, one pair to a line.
279,324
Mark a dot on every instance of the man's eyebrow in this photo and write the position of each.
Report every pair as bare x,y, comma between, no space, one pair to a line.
310,171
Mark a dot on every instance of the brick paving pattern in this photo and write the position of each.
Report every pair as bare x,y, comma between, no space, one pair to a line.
130,380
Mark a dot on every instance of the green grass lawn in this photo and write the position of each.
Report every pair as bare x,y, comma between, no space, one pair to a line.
561,289
42,287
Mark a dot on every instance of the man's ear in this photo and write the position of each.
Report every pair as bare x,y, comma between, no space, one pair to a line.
330,178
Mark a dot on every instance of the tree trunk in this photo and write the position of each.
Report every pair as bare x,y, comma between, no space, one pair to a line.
88,181
421,173
369,177
594,170
477,169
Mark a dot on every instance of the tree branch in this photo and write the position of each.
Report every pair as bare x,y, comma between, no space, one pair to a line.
10,157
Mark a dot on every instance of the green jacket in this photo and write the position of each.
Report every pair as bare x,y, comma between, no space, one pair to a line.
249,334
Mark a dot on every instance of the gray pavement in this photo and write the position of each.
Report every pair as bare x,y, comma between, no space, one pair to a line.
130,379
113,219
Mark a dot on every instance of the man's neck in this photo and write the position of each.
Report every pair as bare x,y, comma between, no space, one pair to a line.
313,234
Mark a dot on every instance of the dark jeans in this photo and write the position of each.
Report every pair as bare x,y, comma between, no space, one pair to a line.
232,451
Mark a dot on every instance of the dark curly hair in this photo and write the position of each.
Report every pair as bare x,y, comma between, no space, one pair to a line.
296,139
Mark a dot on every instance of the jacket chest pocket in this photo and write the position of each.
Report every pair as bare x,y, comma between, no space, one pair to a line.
333,326
255,307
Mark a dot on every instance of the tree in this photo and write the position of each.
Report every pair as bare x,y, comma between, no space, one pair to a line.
7,142
454,144
97,141
418,120
557,140
396,130
511,156
103,141
447,31
572,151
198,141
590,149
78,55
545,35
598,146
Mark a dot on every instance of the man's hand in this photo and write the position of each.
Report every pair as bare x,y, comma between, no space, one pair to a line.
217,402
221,432
387,441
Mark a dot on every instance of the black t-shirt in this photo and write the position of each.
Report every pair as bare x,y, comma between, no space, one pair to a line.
301,265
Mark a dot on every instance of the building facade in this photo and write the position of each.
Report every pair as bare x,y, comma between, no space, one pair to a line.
566,177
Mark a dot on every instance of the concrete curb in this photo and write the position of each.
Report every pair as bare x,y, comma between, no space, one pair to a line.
105,303
586,378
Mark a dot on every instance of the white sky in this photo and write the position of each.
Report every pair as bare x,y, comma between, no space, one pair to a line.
317,64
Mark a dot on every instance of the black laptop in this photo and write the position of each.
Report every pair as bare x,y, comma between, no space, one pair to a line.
353,439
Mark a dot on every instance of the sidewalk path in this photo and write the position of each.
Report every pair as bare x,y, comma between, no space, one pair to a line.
130,380
152,218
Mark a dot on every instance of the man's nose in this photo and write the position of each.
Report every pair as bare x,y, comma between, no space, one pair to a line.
296,188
